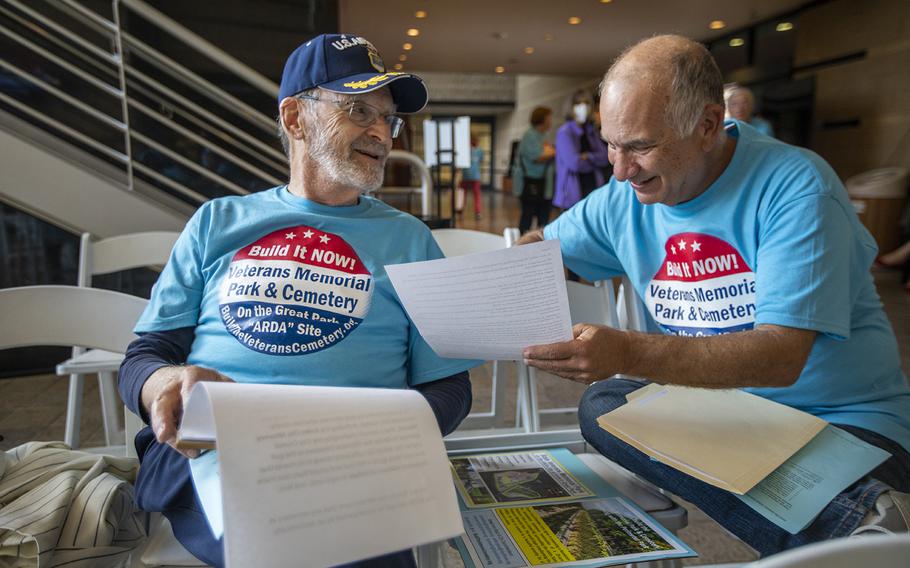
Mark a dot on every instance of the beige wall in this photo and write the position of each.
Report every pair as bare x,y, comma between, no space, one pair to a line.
875,90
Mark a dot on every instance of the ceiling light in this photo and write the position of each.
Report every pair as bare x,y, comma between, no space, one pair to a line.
402,57
784,27
548,36
529,50
717,24
605,1
574,21
737,42
399,67
420,14
500,69
407,47
413,32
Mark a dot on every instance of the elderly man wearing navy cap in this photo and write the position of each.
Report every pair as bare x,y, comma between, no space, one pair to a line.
287,285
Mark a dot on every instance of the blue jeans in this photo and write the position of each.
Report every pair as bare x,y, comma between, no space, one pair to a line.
165,484
839,518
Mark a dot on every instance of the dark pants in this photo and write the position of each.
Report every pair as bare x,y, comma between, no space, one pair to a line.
533,205
839,518
164,485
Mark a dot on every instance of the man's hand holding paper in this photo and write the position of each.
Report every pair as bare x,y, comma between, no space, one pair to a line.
596,352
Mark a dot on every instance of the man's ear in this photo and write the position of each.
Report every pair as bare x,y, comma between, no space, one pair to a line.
291,119
711,125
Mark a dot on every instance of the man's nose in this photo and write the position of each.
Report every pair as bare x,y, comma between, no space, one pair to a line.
624,166
380,131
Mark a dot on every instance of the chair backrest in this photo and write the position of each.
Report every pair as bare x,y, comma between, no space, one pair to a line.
123,252
874,551
68,315
592,304
456,242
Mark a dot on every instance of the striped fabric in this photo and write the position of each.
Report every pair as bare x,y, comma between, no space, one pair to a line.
60,507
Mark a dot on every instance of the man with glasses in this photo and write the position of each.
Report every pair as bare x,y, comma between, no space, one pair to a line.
755,271
287,285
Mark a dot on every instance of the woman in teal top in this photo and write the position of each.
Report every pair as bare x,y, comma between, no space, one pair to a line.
532,173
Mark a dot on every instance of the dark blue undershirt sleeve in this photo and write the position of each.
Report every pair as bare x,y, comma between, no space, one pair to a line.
147,354
450,398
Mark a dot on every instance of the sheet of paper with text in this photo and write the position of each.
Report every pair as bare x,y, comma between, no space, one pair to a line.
488,305
320,476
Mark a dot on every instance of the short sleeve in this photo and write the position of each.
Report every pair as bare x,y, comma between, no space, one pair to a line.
424,365
585,238
177,295
803,267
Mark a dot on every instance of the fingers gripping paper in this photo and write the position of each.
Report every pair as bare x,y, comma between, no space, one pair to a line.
319,476
727,438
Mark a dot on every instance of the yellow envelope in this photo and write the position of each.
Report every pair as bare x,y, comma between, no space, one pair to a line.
727,438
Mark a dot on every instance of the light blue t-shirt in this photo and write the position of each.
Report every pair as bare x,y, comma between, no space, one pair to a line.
284,290
762,125
473,173
774,240
529,149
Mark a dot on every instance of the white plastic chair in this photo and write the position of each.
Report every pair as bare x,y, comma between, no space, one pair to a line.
107,256
597,304
869,551
69,316
457,242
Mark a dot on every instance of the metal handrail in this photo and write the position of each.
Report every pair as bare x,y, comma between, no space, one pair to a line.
203,142
73,51
426,180
107,119
206,88
82,138
247,139
213,52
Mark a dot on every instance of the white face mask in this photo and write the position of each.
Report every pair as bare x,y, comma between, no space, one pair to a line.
580,112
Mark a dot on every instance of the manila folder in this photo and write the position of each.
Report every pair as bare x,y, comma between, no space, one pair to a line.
728,438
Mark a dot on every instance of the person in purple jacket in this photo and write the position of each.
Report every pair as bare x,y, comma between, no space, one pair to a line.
581,155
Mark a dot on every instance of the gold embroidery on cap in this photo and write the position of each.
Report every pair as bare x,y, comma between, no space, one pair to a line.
372,81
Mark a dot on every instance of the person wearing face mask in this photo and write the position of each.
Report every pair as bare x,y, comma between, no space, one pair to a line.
581,155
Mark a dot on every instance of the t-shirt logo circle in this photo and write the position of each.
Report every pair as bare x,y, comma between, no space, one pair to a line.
295,291
703,287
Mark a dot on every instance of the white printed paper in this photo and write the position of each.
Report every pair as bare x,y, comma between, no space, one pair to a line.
488,305
320,476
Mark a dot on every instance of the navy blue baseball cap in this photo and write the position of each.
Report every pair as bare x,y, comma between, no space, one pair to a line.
344,63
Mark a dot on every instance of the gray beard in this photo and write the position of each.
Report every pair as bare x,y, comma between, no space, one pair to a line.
343,170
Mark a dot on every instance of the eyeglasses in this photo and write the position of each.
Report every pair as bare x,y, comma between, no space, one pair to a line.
363,114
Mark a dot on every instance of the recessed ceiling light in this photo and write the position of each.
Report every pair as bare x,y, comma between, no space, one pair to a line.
402,57
605,1
548,36
737,42
500,69
717,24
413,32
420,14
407,47
784,27
399,67
529,50
574,21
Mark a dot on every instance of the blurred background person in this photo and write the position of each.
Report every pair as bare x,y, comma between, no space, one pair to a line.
532,172
581,154
740,103
470,179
